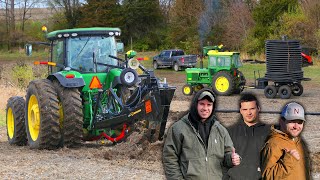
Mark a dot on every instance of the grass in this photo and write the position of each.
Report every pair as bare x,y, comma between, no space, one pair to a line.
20,55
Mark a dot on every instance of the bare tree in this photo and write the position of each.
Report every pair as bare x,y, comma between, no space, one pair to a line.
166,6
238,24
71,10
26,7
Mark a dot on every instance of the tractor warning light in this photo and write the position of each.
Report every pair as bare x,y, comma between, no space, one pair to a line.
148,106
44,62
95,83
70,76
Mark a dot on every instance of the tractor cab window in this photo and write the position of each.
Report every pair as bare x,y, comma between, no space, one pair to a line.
57,54
212,61
236,60
219,61
83,51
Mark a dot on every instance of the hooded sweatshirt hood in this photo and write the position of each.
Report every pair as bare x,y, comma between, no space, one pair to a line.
202,127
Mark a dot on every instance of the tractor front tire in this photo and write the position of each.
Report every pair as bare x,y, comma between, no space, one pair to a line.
223,83
270,91
284,92
71,115
187,90
42,115
16,129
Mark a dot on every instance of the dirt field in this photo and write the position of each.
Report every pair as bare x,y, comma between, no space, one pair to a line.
133,160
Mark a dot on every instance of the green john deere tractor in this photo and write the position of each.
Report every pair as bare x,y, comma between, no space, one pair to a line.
90,94
222,73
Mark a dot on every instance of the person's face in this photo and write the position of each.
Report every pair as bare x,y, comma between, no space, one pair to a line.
293,128
249,112
204,108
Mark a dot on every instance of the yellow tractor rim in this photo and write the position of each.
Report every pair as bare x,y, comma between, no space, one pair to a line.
187,90
10,123
222,84
33,117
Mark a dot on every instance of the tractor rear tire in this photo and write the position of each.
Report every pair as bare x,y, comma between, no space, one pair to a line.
187,90
71,115
270,91
297,89
42,115
16,129
284,92
223,83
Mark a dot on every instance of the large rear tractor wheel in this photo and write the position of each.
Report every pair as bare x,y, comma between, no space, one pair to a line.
297,89
71,115
270,91
223,83
16,129
285,92
42,115
187,90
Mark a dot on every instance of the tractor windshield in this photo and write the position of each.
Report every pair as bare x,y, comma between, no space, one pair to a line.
81,52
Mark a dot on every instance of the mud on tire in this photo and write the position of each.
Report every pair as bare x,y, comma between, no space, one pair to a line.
16,129
42,115
71,115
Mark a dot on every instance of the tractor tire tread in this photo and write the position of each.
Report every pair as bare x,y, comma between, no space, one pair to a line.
17,105
49,131
71,102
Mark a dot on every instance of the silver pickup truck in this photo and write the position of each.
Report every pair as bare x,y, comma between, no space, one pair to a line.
174,58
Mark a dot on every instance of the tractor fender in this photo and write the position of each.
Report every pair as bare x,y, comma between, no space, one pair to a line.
116,81
67,82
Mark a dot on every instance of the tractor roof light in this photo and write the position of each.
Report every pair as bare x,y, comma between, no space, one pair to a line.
95,83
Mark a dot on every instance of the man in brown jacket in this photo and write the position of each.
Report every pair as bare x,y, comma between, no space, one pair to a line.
284,155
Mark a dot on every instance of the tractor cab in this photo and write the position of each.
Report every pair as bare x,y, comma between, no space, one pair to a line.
83,49
218,61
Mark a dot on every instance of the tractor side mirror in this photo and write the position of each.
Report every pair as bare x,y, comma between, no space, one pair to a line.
28,49
120,47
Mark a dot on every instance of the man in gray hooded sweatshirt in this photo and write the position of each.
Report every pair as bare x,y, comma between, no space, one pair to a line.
198,146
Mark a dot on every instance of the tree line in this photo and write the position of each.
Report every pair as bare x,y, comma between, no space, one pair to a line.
146,25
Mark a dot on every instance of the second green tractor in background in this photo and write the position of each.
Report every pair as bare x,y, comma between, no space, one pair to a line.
222,73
